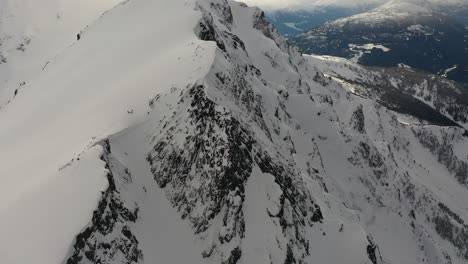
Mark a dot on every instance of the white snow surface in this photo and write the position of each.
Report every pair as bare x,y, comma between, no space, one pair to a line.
447,71
101,85
360,50
393,10
164,236
360,162
293,26
32,33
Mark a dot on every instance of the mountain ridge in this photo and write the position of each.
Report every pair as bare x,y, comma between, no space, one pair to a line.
223,110
259,154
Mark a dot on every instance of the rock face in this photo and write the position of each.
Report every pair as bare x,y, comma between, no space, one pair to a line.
114,215
276,157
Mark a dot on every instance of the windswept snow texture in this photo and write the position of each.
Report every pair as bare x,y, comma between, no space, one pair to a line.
33,33
220,143
97,87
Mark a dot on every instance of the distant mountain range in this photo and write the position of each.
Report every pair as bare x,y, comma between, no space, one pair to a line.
292,22
401,33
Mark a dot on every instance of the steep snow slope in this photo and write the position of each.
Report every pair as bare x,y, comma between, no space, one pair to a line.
276,158
234,149
99,86
34,32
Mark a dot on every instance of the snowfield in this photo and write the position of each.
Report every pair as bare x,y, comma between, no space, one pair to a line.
32,33
366,48
191,132
101,85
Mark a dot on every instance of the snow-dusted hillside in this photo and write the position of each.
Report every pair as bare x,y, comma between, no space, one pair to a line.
213,141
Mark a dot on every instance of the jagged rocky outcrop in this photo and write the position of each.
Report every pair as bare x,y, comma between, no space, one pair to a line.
345,158
109,236
442,147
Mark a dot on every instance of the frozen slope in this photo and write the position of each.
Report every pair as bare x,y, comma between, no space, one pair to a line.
32,33
163,236
220,143
273,157
99,86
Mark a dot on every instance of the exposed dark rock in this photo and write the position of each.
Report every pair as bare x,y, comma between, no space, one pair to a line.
444,152
236,254
357,120
371,251
454,233
109,234
3,59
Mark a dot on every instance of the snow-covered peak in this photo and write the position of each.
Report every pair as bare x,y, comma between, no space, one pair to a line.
95,87
395,11
414,7
220,143
450,5
273,5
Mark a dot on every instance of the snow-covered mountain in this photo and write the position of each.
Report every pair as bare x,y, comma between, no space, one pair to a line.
292,22
415,33
191,132
33,32
271,5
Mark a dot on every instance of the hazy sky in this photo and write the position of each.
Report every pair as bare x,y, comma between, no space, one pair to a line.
276,4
